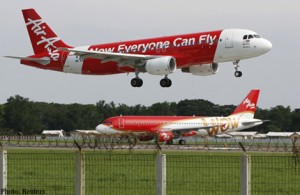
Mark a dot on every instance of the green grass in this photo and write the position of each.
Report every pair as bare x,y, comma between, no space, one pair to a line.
123,172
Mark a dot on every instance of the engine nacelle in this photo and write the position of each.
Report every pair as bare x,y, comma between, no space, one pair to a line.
165,136
202,70
161,66
145,137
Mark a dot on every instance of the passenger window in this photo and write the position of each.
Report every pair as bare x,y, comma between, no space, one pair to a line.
250,36
245,37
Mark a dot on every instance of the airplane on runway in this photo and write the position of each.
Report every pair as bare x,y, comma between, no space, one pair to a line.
167,128
197,53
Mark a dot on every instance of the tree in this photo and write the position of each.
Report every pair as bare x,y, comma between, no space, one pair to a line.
195,107
20,115
164,108
1,117
280,117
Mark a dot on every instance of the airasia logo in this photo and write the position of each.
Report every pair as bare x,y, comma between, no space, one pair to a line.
165,136
249,104
38,29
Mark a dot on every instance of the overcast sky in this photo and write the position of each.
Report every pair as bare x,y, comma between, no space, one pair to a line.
276,73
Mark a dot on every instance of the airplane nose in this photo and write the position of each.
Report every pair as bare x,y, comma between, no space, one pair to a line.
105,129
100,128
266,46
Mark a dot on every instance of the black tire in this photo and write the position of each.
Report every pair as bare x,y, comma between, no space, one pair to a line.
182,142
140,82
169,82
163,83
134,82
238,73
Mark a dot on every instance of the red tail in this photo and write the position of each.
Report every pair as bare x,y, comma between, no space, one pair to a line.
248,105
43,39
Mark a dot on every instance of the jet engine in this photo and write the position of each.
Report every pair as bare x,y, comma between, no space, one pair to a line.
202,70
161,66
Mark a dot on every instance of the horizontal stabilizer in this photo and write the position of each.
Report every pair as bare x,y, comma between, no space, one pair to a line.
43,61
251,121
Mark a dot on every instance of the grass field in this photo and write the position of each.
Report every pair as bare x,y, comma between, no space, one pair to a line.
121,172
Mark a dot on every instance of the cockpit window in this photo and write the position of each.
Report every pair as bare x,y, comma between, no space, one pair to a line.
250,36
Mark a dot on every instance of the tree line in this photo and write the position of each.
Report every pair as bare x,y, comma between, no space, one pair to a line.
19,114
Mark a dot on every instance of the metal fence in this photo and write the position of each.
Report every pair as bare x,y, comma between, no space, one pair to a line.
110,173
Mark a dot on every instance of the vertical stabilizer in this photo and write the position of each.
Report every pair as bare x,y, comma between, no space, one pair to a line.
43,39
247,107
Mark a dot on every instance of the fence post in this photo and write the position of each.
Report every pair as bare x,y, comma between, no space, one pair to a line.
3,177
80,173
161,174
245,180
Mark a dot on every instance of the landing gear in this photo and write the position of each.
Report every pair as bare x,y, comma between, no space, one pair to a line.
182,142
136,82
165,82
237,73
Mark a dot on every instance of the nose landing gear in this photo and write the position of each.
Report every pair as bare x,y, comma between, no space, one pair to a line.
237,73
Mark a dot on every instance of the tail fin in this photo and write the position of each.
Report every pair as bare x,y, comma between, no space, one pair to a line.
247,107
43,39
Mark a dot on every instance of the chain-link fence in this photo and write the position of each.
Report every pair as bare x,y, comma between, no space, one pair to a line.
110,173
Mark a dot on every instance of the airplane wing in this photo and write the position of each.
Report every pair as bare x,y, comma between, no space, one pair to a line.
184,130
44,60
123,59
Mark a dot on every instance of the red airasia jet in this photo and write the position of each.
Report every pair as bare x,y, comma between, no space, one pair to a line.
167,128
197,53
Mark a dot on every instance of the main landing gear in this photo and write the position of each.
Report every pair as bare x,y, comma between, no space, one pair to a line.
138,82
180,142
165,82
237,73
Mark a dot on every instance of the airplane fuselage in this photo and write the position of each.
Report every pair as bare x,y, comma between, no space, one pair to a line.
188,50
204,126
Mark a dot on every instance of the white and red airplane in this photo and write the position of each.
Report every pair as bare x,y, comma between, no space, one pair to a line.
197,53
167,128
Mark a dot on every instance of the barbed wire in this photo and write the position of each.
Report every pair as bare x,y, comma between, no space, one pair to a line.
130,141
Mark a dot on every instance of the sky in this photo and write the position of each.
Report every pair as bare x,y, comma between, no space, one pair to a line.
88,22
